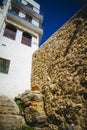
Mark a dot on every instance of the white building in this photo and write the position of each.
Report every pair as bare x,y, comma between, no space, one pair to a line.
20,34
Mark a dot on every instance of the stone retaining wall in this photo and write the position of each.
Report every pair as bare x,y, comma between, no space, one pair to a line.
60,71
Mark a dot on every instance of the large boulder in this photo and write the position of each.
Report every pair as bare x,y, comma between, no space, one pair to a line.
33,107
10,117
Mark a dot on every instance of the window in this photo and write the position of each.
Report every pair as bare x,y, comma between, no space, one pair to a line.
4,65
1,2
29,5
26,39
28,18
18,0
15,10
10,31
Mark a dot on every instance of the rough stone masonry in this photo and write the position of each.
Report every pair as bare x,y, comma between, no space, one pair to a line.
60,71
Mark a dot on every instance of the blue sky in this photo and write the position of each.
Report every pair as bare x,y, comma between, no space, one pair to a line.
56,13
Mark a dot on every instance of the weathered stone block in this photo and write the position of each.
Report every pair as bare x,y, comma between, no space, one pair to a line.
10,118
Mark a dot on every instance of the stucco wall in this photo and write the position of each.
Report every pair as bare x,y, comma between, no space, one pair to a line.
18,78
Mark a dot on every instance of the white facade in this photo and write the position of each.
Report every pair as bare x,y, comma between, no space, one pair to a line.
19,55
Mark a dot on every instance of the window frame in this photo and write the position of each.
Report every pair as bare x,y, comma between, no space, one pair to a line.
4,66
26,39
10,31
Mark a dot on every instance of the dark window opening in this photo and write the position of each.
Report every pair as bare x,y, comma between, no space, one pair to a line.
28,18
1,2
15,10
26,39
10,31
29,5
4,65
18,0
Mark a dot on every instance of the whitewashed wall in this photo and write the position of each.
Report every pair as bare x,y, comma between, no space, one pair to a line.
19,75
18,78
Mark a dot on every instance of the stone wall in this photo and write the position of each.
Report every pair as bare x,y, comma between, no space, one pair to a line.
60,71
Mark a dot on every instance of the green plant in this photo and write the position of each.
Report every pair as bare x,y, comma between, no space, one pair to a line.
20,104
26,127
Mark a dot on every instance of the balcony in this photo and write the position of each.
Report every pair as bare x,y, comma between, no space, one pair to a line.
28,10
23,23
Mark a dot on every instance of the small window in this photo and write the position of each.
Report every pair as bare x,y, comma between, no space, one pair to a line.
29,5
4,65
28,18
1,2
18,0
26,39
15,10
10,31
